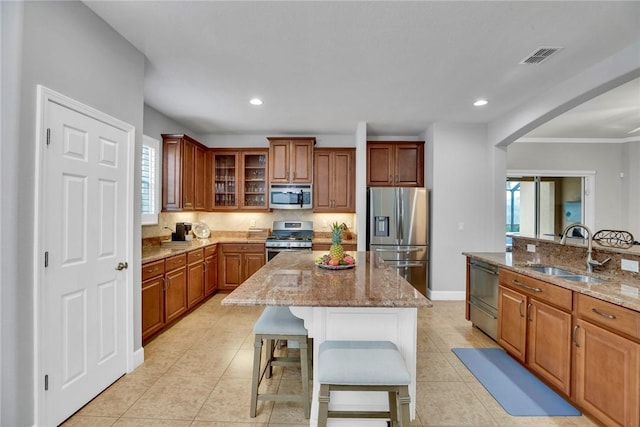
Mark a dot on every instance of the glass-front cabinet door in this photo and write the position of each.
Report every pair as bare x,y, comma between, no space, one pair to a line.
254,183
225,180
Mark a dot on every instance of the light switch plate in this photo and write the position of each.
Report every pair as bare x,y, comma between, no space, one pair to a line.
629,265
531,248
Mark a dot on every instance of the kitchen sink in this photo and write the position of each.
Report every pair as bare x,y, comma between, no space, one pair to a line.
580,278
551,271
564,274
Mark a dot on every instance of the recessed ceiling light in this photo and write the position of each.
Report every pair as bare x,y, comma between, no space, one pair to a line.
255,101
480,102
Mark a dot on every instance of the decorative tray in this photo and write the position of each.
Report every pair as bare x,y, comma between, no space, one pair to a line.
335,267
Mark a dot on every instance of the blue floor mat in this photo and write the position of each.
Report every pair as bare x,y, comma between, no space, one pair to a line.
517,390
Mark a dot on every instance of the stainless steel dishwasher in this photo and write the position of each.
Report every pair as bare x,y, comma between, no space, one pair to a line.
483,297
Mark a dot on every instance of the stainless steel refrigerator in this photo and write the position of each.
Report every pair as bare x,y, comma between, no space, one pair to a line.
398,231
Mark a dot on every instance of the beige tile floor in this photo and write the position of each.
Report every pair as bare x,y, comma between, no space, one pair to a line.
198,373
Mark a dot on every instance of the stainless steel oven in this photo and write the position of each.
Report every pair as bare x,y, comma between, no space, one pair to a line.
272,252
289,236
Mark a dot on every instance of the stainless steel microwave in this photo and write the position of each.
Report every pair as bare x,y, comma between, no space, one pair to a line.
290,196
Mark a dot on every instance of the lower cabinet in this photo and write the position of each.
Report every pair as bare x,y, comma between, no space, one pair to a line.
152,298
175,287
195,277
606,363
534,331
238,261
585,347
210,270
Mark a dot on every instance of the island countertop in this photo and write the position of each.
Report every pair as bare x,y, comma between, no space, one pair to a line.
293,279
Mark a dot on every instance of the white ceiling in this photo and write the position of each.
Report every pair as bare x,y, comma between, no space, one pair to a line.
323,66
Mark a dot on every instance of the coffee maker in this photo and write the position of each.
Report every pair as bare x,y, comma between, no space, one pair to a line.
182,233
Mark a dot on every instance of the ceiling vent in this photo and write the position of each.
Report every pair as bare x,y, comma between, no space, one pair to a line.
541,54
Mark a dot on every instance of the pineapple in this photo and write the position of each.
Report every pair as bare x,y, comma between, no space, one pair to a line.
336,252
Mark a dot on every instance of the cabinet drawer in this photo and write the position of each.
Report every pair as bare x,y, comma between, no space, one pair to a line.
152,269
243,247
210,250
542,291
614,316
195,256
175,262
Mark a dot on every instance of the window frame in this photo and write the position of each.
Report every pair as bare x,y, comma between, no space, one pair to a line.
152,218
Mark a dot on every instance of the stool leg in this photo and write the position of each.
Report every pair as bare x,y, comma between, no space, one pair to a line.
304,371
403,400
393,408
255,379
270,344
310,357
323,405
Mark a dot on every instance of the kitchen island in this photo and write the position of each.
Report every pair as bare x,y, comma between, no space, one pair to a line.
367,302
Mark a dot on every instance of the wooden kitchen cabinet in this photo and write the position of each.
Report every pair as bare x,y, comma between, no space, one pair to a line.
607,361
183,173
291,160
195,277
210,270
238,261
240,180
175,287
254,189
395,164
334,180
152,298
534,325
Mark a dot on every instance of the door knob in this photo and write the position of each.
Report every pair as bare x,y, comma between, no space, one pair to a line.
122,265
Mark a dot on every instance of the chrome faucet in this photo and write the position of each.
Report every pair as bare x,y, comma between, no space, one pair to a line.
590,261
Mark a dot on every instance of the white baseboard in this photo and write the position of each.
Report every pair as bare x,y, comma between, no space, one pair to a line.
138,357
446,295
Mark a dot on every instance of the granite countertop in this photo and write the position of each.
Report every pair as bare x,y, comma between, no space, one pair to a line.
624,292
158,252
295,280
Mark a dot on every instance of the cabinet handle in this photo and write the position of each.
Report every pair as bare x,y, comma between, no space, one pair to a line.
520,308
575,337
529,312
522,285
164,284
608,316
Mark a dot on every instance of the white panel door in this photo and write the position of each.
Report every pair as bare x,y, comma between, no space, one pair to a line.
84,294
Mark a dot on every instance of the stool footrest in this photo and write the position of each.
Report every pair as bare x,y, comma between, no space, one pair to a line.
358,414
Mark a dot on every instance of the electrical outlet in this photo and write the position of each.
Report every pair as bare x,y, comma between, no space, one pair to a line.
252,223
629,265
324,223
531,248
461,226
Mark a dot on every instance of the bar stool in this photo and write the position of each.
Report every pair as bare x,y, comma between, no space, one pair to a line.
363,366
278,323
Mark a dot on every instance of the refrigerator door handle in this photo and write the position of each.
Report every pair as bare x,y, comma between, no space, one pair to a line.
400,230
408,265
400,251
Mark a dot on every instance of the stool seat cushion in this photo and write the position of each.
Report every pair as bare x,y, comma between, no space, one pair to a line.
361,363
279,321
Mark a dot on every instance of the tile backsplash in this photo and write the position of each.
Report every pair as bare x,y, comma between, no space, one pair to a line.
242,221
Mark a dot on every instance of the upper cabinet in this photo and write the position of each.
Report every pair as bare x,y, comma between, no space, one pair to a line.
239,179
183,173
291,160
334,180
395,164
